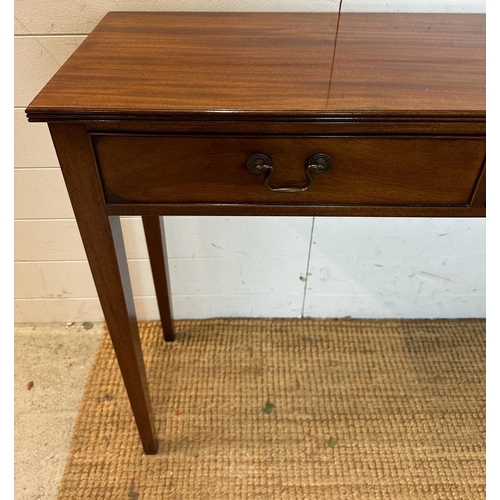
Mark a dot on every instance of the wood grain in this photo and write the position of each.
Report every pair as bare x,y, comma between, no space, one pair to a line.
366,170
157,249
103,241
255,64
162,111
293,210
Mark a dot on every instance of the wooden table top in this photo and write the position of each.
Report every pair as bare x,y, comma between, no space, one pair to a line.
138,65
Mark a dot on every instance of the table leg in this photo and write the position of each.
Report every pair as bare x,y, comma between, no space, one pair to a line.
103,242
157,249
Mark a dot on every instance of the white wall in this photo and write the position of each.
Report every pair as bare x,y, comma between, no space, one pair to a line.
227,266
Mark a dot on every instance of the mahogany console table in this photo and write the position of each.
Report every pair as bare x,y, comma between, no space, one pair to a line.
260,114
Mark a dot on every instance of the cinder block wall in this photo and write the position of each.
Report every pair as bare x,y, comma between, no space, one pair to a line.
227,266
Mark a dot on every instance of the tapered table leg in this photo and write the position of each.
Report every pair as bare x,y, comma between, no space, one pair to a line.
157,249
103,242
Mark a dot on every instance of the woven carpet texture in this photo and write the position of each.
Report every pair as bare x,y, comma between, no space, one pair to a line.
291,409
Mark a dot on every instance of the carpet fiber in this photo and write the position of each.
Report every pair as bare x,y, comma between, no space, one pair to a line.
291,409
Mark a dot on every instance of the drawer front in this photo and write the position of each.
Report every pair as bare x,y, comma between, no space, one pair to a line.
367,170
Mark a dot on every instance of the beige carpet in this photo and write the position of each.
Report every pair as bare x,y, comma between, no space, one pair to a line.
291,409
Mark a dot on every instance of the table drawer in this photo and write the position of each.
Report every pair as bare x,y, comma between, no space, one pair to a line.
365,170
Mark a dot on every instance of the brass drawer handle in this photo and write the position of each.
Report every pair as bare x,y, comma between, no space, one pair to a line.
261,164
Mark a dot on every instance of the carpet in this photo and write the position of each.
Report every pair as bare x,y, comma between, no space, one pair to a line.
291,409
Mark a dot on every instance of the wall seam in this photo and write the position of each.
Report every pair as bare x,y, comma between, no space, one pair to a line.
307,268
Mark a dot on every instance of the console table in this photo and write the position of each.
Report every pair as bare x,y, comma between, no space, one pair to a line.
259,114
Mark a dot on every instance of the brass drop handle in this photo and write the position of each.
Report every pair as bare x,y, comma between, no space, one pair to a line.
261,164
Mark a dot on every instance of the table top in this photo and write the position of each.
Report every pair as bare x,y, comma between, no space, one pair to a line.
137,65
